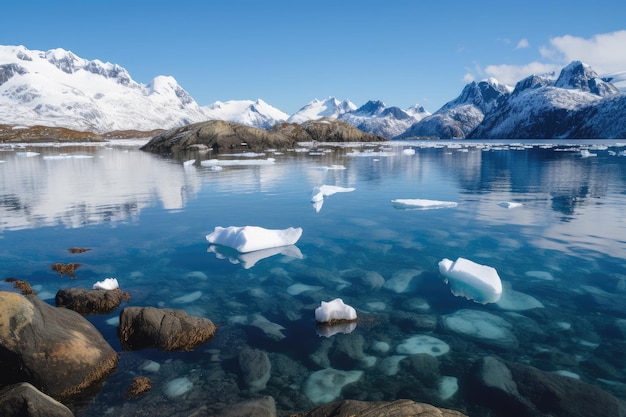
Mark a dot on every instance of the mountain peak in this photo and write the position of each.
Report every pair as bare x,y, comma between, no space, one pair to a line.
580,76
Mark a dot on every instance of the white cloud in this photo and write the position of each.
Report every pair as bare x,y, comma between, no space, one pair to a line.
604,52
523,43
511,74
468,77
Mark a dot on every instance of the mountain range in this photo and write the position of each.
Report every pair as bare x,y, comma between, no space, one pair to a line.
57,88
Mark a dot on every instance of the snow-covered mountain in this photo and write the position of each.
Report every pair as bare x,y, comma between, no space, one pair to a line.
578,104
457,118
374,117
58,88
247,112
316,109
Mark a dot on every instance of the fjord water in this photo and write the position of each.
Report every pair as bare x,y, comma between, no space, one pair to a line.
561,256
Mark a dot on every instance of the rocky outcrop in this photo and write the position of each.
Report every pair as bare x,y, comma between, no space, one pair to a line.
398,408
86,301
221,136
255,368
218,135
518,390
24,400
55,349
166,329
325,130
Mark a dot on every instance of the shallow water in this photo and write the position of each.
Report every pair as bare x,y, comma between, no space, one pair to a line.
561,256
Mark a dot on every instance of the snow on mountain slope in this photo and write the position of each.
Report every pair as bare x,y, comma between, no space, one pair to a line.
374,117
251,113
58,88
316,109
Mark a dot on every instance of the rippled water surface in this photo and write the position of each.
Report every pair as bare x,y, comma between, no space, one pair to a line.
561,256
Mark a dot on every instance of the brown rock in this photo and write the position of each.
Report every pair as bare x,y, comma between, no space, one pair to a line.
55,349
86,301
398,408
24,400
65,269
167,329
138,386
23,286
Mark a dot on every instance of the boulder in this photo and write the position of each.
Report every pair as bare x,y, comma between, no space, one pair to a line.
86,301
55,349
255,367
325,129
258,407
162,328
514,389
24,400
398,408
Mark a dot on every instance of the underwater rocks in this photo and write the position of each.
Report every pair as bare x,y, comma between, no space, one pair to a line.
506,386
85,301
24,400
255,367
166,329
55,349
398,408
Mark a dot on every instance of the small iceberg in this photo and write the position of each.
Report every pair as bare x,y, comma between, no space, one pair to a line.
586,154
236,162
189,162
319,193
420,204
473,281
253,238
106,284
510,204
334,311
27,154
408,151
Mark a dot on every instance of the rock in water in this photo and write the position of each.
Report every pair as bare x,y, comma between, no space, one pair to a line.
255,367
26,401
166,329
55,349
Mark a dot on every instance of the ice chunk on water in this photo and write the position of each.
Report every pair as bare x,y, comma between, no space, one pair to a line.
106,284
473,281
421,204
320,192
252,238
334,310
510,204
236,162
249,259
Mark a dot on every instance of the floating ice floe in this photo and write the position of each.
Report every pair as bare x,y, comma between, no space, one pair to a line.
151,366
249,259
325,386
106,284
335,310
510,204
27,154
318,194
586,154
423,344
237,162
473,281
421,204
189,162
253,238
408,151
481,326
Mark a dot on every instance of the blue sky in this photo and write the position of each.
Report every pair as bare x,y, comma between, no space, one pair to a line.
290,52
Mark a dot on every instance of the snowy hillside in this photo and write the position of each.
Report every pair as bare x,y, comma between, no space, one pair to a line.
316,109
374,117
247,112
58,88
579,104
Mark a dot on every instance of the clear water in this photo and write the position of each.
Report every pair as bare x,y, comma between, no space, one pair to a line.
145,219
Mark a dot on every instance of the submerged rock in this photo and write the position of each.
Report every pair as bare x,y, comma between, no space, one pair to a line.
166,329
86,301
255,367
55,349
398,408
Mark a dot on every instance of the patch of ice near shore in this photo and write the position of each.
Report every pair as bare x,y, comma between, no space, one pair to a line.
481,326
423,344
325,386
150,366
237,162
177,387
512,300
106,284
333,311
473,281
421,204
510,204
253,238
